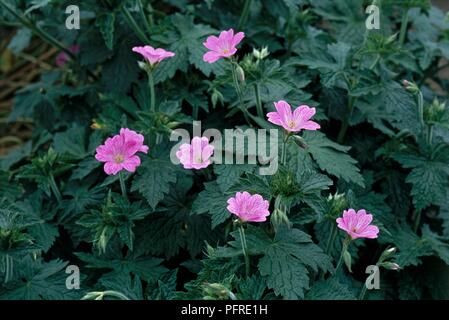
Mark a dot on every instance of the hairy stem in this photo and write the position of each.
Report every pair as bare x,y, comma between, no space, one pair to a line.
122,184
258,101
152,94
345,123
54,188
245,14
244,249
403,29
144,17
133,24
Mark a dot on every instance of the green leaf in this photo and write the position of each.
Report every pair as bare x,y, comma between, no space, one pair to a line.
429,175
153,180
212,200
329,289
332,158
105,23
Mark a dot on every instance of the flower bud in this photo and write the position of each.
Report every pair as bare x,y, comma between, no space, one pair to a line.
299,141
96,125
336,204
240,74
216,97
279,218
390,265
387,254
410,86
216,291
260,54
347,259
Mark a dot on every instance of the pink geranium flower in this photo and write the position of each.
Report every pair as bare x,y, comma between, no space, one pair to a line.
119,152
195,155
358,225
249,207
62,58
293,121
222,47
152,55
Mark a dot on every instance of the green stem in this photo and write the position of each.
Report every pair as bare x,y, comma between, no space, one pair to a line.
417,219
9,267
429,134
345,124
133,24
258,101
403,30
54,188
152,94
343,249
245,14
195,112
37,30
331,239
122,184
362,292
115,294
284,148
340,260
244,249
421,108
144,17
238,90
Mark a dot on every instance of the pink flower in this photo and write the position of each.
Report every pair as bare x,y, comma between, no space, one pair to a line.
195,155
153,56
249,207
119,151
62,58
357,225
293,122
222,47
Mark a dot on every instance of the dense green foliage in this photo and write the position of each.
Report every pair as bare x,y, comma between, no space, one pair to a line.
174,238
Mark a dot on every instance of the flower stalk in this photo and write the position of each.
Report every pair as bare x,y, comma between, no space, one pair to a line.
122,184
133,24
54,188
258,101
245,14
244,249
152,92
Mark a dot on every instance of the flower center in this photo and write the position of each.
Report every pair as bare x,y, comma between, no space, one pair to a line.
225,51
119,158
199,159
354,229
291,124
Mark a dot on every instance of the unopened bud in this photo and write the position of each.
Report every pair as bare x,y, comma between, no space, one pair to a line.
279,218
410,86
347,259
388,253
390,266
240,74
214,291
216,97
300,141
96,125
260,54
